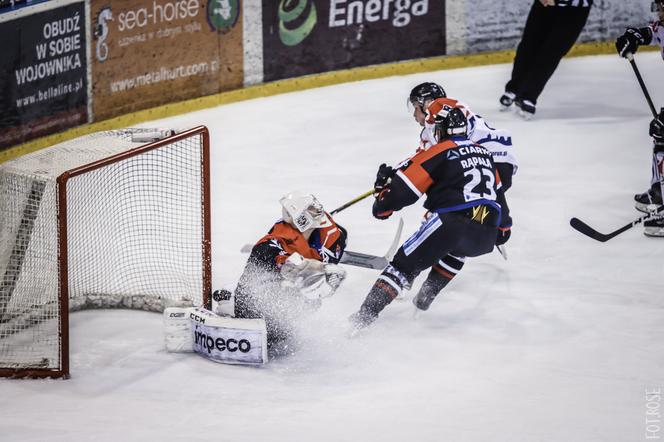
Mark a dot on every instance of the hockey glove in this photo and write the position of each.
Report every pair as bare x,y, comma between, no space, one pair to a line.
630,41
383,177
657,127
504,234
376,210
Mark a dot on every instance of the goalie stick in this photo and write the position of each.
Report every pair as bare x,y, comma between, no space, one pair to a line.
371,261
602,237
362,259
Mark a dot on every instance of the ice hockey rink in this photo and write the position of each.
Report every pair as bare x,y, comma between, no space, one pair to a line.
561,342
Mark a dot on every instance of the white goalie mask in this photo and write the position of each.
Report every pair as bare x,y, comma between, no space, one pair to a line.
303,211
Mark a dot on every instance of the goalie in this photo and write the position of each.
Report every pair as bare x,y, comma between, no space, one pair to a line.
292,268
289,272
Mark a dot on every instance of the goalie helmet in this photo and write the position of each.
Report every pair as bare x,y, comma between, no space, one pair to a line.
303,211
425,91
450,122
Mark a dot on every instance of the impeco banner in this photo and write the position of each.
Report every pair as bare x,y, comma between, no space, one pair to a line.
151,52
310,36
43,84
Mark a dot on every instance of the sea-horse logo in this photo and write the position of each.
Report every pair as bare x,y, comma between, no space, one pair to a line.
297,19
223,14
101,32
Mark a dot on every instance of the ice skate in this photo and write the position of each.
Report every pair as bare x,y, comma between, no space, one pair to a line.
648,201
526,109
423,300
359,322
654,228
506,100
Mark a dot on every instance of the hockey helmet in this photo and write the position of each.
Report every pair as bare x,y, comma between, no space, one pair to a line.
425,91
450,122
303,211
658,6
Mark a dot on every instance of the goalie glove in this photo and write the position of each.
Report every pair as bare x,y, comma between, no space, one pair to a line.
313,279
334,276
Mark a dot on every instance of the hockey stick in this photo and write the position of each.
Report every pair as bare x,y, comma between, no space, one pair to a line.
630,57
597,236
371,261
362,259
353,201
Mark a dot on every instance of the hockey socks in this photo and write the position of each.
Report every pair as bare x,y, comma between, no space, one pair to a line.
386,288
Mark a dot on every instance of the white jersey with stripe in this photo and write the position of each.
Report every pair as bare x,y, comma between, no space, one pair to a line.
657,28
496,141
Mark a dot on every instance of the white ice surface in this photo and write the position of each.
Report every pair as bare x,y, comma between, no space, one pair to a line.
559,343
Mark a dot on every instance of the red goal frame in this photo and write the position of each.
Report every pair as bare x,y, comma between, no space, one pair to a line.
63,284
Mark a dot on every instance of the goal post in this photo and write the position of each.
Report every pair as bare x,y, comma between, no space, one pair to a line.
103,221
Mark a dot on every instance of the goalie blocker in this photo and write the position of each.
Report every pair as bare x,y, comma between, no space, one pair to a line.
219,338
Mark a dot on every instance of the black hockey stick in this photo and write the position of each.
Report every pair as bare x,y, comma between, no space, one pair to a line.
584,228
630,57
353,201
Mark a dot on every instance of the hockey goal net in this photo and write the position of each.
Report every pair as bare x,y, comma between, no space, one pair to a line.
116,219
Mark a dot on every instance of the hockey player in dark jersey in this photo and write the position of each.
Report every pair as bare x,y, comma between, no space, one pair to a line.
292,268
465,203
427,99
628,43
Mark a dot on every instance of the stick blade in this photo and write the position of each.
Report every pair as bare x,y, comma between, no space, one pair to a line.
584,228
363,260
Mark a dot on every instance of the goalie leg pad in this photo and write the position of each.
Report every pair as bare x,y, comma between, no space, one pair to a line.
229,340
218,338
177,329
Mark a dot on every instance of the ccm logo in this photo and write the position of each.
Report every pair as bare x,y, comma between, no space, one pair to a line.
197,318
221,344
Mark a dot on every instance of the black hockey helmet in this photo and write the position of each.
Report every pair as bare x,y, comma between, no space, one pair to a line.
425,91
657,5
451,123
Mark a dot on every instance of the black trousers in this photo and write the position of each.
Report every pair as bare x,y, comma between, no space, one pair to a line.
549,34
440,235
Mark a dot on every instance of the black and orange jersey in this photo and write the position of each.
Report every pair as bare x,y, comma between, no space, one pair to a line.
325,244
455,175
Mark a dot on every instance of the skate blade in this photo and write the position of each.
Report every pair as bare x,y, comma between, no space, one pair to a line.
646,208
653,232
526,116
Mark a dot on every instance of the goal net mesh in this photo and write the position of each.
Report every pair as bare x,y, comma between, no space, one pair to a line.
134,237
